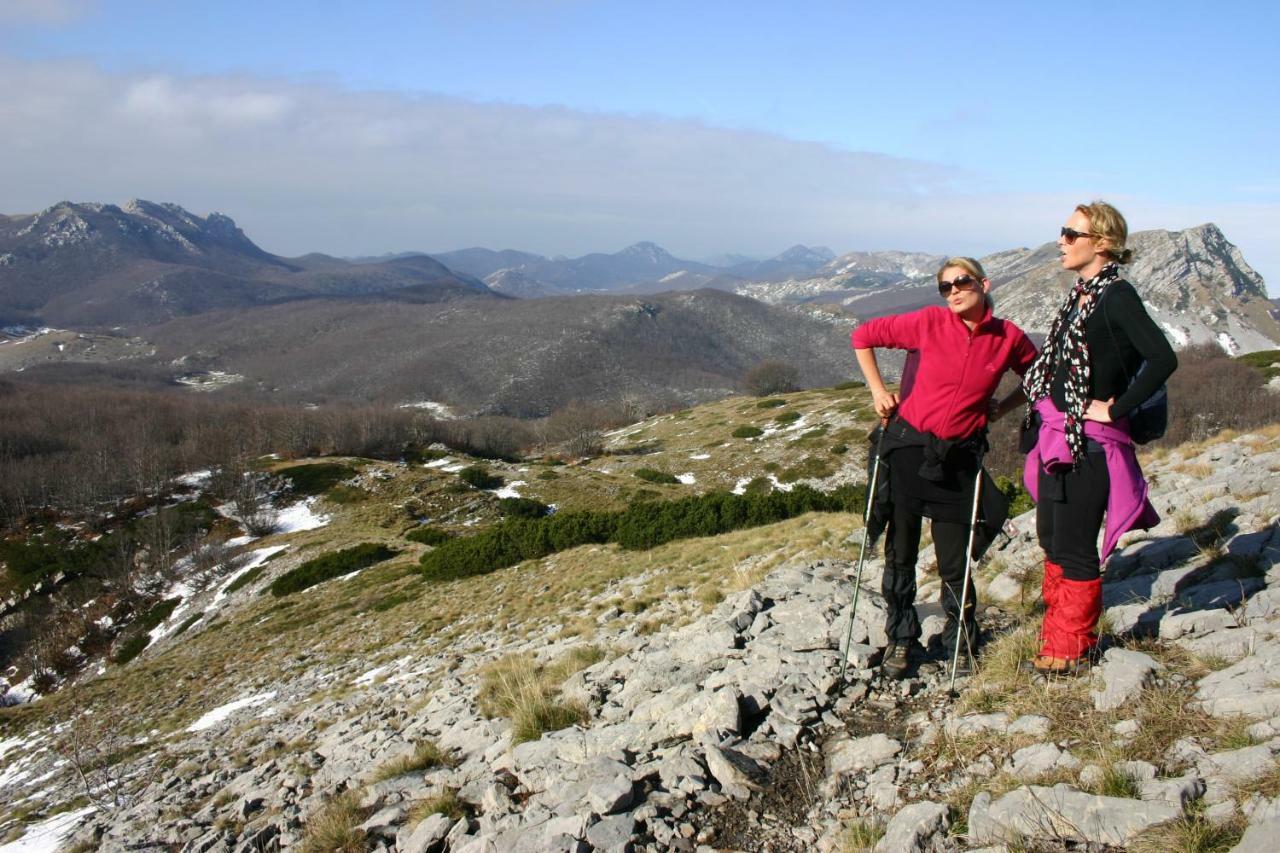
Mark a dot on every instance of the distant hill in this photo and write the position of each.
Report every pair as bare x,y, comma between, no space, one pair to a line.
521,357
99,265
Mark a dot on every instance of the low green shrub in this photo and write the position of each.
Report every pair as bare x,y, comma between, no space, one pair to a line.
642,525
850,385
187,623
840,449
809,468
329,566
522,508
245,579
479,477
653,476
316,478
346,495
785,418
416,455
158,612
747,432
771,403
131,647
1019,500
428,535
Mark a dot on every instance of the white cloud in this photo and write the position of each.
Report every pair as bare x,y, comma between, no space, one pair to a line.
314,167
45,11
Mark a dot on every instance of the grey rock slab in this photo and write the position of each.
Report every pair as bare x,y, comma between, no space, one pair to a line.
1238,765
427,836
1060,812
1033,725
733,770
911,829
1121,677
972,724
612,834
1194,623
384,822
610,795
844,755
1182,791
1033,761
1259,838
720,717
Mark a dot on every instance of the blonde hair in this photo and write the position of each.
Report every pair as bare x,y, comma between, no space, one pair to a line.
1107,223
969,265
972,267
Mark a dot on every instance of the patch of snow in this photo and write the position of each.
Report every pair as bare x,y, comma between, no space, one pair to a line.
300,516
48,835
509,490
439,410
453,469
368,677
195,479
222,712
1228,344
779,485
687,478
740,487
439,463
1180,337
700,456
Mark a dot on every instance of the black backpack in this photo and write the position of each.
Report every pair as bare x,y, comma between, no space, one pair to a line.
1150,419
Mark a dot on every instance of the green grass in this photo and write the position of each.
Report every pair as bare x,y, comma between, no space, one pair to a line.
771,403
329,566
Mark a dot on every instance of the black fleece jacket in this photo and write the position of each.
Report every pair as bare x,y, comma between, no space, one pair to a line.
1116,353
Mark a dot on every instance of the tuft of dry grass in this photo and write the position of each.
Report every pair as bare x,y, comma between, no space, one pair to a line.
333,829
516,688
1191,833
861,836
446,804
425,755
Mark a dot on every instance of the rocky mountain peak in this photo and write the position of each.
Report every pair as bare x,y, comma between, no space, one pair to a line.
647,251
800,253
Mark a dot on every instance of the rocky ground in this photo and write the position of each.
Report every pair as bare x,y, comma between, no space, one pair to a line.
736,731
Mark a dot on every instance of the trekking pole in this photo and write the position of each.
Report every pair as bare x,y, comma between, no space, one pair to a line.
862,556
964,591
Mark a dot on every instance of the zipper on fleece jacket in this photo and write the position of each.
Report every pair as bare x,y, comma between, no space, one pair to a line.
964,367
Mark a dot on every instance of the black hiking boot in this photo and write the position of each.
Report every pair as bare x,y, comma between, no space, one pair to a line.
897,660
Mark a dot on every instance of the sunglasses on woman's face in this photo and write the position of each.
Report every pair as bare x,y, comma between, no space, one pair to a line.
960,282
1071,235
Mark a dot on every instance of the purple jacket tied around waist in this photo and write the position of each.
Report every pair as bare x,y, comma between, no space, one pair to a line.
1127,504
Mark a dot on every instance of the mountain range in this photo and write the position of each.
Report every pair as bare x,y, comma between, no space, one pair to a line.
516,332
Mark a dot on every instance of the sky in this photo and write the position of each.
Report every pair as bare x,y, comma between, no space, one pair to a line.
568,126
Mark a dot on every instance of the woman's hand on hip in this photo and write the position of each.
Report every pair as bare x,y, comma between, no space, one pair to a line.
1099,410
885,402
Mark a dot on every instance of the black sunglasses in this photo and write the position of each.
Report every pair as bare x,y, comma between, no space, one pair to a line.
1071,235
960,282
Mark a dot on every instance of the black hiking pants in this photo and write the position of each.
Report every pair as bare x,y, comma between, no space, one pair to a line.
898,585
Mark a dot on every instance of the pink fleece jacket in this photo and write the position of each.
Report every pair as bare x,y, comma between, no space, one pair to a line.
1127,504
958,370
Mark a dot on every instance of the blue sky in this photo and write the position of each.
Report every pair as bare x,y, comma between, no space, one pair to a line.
566,127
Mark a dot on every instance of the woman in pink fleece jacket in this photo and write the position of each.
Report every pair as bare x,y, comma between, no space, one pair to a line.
934,446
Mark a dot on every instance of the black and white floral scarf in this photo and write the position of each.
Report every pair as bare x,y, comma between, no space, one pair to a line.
1066,340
